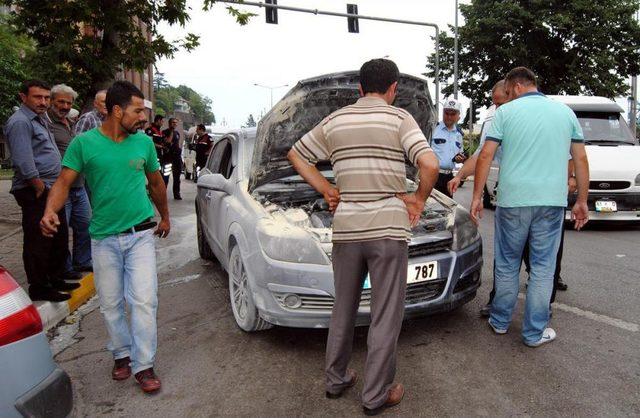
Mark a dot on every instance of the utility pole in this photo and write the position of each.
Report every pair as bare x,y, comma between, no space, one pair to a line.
633,109
271,88
455,57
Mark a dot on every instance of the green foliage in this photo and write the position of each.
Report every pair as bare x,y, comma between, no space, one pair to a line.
15,48
85,43
574,46
250,123
166,97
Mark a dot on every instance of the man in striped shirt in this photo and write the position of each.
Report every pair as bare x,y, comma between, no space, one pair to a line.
367,143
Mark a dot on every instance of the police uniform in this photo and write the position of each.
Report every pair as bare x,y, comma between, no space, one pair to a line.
446,144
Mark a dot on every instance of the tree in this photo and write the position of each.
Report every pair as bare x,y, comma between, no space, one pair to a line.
85,43
15,48
159,82
574,46
166,97
250,123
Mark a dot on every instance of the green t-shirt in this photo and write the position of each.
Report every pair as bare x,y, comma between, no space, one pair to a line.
115,173
535,134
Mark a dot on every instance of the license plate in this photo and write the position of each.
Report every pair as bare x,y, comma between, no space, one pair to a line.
416,273
606,206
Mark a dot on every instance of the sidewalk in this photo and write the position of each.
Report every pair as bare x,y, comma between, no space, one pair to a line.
11,259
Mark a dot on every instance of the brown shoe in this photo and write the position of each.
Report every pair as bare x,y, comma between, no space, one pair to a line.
396,393
354,379
148,380
121,369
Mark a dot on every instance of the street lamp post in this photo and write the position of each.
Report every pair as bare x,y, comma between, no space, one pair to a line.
271,89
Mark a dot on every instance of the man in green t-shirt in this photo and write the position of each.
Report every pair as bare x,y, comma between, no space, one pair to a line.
117,161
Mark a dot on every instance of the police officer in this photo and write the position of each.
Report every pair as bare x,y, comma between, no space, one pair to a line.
446,142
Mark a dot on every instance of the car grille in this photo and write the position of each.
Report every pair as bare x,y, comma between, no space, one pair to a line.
609,185
625,202
430,248
416,293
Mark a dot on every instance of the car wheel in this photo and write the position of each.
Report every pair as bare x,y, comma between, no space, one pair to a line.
486,199
244,310
203,246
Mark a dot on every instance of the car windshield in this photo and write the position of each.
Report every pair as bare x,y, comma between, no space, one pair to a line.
604,127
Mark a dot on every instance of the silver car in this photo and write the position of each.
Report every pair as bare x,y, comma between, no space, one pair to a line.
31,384
272,232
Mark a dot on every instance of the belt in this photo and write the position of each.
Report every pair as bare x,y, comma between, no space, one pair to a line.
445,171
142,226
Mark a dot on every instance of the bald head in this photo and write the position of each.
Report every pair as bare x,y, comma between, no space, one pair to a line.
99,102
499,94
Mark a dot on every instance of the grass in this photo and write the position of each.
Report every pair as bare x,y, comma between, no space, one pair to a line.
6,173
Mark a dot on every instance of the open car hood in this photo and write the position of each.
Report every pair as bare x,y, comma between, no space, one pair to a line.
310,101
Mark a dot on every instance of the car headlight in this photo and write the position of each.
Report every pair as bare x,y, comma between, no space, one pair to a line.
638,180
464,231
285,242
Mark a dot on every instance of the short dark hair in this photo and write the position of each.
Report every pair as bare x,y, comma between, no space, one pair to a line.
27,84
120,94
156,118
172,119
377,75
521,75
201,127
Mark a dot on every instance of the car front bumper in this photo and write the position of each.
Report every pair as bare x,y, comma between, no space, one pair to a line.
457,283
628,206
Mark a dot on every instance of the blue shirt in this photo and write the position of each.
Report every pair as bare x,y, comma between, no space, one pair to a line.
446,144
34,153
535,134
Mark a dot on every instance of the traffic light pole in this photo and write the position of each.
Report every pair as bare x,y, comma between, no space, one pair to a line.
357,16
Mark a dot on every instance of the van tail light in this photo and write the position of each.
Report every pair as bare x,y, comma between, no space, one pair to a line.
19,319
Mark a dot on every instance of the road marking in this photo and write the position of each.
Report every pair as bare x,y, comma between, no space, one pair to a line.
619,323
179,280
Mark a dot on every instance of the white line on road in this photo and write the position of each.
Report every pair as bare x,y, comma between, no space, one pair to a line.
179,280
619,323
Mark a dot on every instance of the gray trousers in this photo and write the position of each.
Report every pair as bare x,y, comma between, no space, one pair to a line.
386,261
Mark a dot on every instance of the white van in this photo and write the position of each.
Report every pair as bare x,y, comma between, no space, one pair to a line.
614,160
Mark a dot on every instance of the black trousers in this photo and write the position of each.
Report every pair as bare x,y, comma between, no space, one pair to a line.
525,258
441,184
44,258
176,171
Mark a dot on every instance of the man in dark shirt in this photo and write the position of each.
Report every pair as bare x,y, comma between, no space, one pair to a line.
162,148
36,164
204,143
172,136
77,208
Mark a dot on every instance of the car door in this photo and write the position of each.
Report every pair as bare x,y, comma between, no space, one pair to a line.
216,210
204,197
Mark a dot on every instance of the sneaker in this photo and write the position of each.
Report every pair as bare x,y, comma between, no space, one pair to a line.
548,335
148,380
497,330
485,311
47,294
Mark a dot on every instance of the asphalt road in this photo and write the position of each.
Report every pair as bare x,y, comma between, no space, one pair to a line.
451,364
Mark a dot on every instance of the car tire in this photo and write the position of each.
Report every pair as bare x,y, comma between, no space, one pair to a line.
244,310
203,246
486,199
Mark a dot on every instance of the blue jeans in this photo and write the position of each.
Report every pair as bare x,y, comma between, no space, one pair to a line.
124,268
542,226
78,212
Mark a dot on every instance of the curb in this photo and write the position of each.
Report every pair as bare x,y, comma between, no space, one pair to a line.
53,313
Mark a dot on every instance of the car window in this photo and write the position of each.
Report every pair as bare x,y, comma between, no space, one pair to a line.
604,126
216,156
226,167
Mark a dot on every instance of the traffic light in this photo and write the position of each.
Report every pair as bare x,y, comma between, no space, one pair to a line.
352,22
271,12
476,115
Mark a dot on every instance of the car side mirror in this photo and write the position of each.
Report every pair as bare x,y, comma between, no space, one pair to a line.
216,182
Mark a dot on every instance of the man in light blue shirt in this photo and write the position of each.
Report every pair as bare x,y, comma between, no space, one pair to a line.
535,134
446,142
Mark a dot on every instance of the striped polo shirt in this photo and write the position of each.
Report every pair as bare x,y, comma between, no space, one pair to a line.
367,143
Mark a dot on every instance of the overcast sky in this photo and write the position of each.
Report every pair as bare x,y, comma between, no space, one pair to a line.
231,58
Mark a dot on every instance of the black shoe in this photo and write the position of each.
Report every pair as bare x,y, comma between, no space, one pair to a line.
63,286
485,311
177,197
86,268
48,294
561,285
